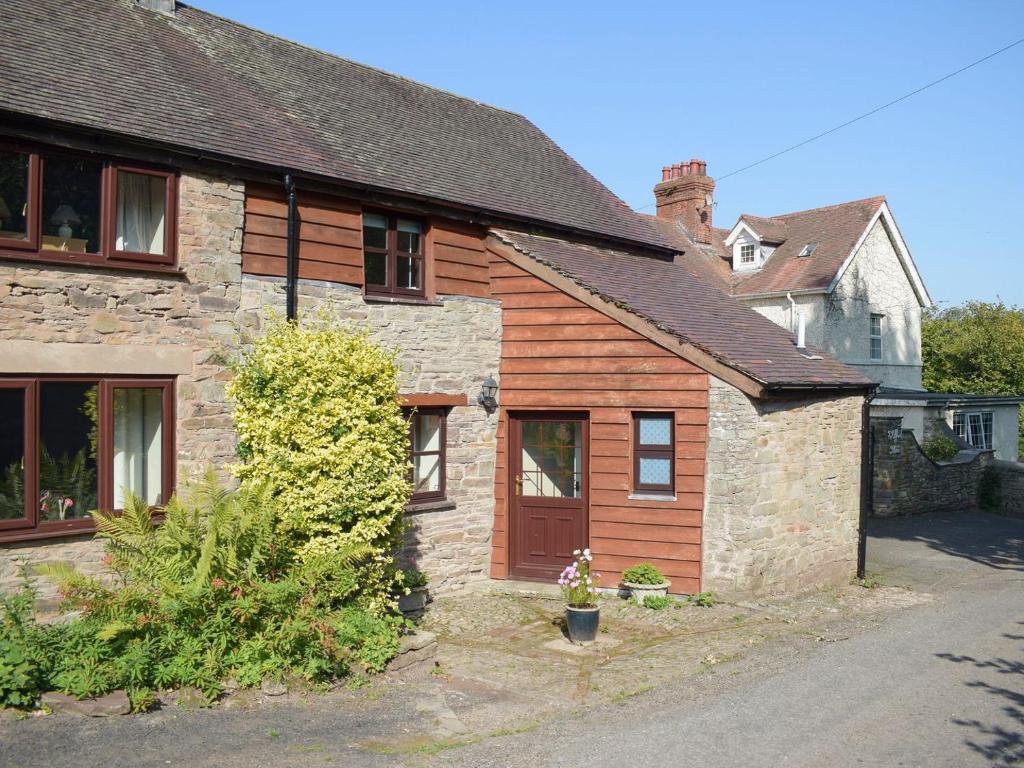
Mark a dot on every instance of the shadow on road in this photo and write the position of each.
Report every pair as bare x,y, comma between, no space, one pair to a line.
991,540
1001,743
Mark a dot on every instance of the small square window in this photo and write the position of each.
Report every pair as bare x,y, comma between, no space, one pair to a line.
747,253
393,257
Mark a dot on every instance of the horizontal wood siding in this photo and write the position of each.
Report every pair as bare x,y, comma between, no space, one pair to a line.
460,259
331,243
330,235
559,354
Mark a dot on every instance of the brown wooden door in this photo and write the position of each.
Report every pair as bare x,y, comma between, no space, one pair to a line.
549,492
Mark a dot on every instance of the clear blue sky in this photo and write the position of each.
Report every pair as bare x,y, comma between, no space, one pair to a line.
628,87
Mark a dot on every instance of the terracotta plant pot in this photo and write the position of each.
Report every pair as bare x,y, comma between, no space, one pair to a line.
640,591
414,602
582,623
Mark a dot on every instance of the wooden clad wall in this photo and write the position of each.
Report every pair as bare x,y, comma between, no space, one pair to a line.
331,243
460,259
559,354
330,236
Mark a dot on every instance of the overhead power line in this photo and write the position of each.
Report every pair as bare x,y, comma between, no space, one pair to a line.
874,111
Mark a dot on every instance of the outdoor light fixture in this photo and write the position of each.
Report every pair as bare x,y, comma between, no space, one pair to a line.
488,390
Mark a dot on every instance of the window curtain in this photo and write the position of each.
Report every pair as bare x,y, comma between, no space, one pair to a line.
140,212
137,444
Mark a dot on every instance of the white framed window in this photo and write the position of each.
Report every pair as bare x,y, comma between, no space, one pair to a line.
748,253
974,428
875,336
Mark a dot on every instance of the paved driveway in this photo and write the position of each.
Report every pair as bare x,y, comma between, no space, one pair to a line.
940,685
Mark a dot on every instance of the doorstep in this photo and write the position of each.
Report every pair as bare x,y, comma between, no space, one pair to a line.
539,589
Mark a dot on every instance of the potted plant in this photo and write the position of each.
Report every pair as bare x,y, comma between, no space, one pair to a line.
578,587
414,583
643,580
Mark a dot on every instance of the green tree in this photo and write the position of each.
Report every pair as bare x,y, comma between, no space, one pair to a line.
976,348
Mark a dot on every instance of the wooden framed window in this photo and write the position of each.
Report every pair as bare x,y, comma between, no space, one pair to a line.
66,207
875,336
427,449
747,254
140,213
70,445
393,258
654,453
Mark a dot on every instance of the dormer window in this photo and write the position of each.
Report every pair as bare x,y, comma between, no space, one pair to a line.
748,253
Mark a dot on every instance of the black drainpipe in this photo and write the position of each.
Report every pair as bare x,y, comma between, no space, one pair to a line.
292,265
867,472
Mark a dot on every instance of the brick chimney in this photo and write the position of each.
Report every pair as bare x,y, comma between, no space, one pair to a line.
684,194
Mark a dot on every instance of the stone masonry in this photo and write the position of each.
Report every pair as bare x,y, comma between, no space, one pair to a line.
906,482
782,496
447,347
194,310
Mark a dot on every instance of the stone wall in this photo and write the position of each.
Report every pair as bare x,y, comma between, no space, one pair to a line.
141,313
448,346
1007,497
906,482
782,496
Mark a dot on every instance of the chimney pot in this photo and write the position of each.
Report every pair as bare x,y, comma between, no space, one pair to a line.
685,201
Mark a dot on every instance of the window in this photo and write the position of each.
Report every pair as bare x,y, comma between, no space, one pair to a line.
427,437
65,207
876,337
70,445
747,253
392,254
809,249
974,428
653,453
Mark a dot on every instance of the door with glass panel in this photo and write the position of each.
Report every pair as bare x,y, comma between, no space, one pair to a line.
548,505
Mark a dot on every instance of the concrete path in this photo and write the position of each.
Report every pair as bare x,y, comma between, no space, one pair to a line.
941,685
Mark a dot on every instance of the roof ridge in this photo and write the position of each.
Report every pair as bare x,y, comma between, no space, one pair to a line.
360,64
876,198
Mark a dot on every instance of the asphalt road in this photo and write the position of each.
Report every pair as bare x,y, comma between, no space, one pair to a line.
940,685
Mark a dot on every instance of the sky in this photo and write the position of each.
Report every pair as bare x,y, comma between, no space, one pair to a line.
626,88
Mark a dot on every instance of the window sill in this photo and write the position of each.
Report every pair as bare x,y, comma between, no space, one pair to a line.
40,258
652,497
372,298
417,507
13,536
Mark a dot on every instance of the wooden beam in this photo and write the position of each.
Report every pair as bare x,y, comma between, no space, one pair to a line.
746,384
434,399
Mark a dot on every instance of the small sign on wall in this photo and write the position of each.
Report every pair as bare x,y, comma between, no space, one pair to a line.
895,437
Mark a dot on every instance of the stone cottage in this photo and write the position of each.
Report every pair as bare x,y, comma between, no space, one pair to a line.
568,383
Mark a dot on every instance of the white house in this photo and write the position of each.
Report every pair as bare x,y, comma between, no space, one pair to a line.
842,280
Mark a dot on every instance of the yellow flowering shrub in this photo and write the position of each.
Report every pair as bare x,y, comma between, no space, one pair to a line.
317,415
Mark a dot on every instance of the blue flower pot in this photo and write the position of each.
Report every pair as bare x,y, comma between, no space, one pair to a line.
582,623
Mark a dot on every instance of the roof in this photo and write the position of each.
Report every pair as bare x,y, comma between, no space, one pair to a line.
691,311
920,397
836,229
198,81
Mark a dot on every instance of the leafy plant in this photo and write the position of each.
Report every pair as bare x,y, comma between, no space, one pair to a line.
703,599
657,602
24,656
67,485
577,583
940,448
643,573
318,420
413,578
